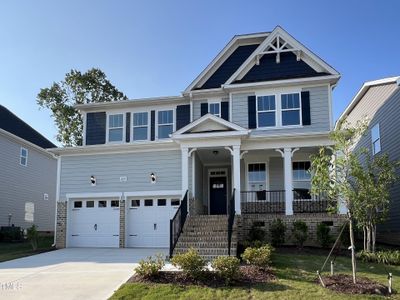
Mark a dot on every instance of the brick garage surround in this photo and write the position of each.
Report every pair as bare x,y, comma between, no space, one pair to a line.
61,228
245,222
122,217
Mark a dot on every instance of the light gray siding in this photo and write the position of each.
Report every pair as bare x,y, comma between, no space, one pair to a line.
108,168
196,109
240,110
276,177
20,184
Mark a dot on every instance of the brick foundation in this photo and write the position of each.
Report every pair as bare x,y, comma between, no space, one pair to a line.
61,228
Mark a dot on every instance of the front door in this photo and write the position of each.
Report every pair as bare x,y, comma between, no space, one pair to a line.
218,195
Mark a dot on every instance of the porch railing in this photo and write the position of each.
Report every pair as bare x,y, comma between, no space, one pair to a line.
260,202
304,202
231,219
176,224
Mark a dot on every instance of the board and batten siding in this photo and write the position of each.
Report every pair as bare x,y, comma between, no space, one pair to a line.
108,168
21,184
319,104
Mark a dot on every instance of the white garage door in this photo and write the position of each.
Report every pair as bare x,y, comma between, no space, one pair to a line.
148,221
94,223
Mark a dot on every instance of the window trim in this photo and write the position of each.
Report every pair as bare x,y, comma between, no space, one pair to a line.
133,126
376,140
111,113
261,111
300,180
21,156
173,109
267,183
219,107
291,109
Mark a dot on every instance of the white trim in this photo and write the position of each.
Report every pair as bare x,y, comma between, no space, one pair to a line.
275,111
93,195
132,126
211,102
160,109
175,193
267,172
23,156
113,113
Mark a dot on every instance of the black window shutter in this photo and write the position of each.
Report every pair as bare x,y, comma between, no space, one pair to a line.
251,102
96,128
182,116
225,110
128,127
305,108
153,125
204,108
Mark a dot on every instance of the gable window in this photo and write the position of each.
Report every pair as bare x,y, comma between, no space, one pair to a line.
301,170
266,111
215,109
23,156
290,105
376,139
165,123
257,177
140,126
115,127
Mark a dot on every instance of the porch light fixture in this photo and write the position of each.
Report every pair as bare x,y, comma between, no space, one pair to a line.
153,178
93,180
215,152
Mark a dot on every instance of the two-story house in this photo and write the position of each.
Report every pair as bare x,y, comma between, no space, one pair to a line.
28,175
379,102
233,148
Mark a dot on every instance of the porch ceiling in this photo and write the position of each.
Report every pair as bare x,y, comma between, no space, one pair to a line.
214,156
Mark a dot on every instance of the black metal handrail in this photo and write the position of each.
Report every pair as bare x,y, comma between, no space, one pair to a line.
231,219
259,202
304,202
176,224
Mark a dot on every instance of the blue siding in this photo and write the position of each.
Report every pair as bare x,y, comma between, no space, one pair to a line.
204,108
225,110
95,128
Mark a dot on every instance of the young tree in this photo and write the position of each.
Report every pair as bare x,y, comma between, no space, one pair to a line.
333,176
76,88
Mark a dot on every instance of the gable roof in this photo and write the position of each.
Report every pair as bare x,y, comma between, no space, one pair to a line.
14,125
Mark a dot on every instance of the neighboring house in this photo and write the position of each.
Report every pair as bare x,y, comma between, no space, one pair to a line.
28,175
239,138
379,101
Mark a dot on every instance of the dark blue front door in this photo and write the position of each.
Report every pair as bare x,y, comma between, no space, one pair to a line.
218,196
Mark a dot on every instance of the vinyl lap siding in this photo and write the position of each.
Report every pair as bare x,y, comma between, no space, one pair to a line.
108,168
276,177
196,110
239,109
20,184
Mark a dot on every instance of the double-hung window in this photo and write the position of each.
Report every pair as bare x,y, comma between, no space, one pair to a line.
266,111
301,171
376,139
140,126
23,157
257,177
215,109
115,127
290,106
165,123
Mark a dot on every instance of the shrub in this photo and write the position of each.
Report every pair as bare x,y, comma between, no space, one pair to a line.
388,257
190,262
323,235
32,235
260,257
277,230
256,233
150,267
10,233
227,267
300,232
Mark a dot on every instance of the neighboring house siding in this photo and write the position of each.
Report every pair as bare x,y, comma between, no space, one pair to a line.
21,184
108,168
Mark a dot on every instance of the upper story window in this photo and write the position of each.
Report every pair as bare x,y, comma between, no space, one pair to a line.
165,123
115,128
140,126
290,106
266,111
215,109
301,170
23,156
257,177
376,139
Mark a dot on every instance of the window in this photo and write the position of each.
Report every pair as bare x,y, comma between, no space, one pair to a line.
23,156
257,177
376,139
114,203
135,203
89,204
215,109
102,203
301,170
175,202
266,110
161,202
290,105
165,123
77,204
115,128
140,126
148,202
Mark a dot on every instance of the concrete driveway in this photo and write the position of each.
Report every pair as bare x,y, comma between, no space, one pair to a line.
74,273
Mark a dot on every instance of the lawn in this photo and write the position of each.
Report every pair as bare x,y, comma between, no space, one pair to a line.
10,251
296,280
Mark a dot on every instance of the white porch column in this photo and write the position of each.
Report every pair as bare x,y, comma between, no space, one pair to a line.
185,170
288,177
236,177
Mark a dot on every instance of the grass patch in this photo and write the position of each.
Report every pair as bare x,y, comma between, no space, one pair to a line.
296,280
9,251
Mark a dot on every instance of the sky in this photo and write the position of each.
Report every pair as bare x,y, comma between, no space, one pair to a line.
156,48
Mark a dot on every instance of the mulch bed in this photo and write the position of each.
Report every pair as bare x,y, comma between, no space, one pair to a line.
249,275
344,284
